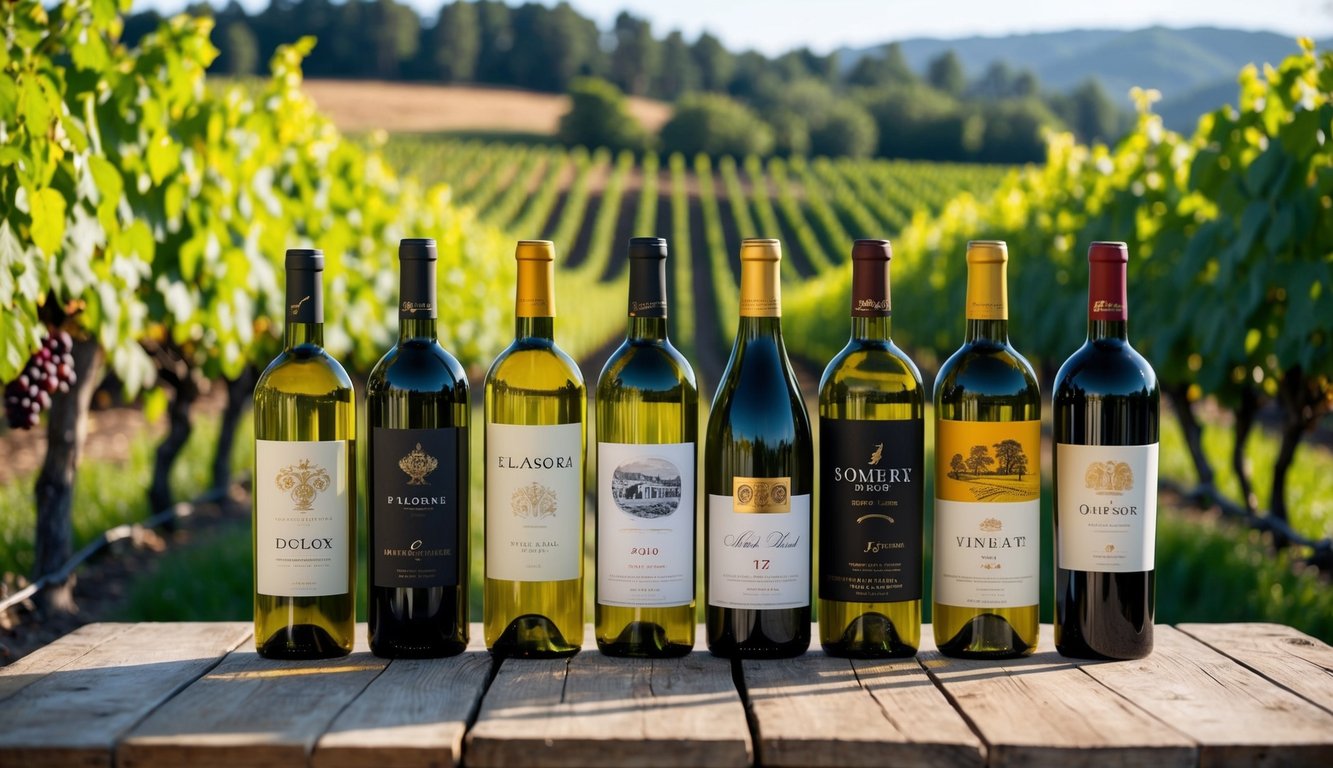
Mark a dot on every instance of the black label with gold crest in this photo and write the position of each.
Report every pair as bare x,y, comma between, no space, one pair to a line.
415,504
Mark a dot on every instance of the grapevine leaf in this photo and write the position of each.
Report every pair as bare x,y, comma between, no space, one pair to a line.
47,207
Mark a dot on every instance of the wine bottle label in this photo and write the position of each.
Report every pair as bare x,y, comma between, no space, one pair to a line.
870,507
534,502
303,504
987,513
415,507
645,524
759,558
1107,507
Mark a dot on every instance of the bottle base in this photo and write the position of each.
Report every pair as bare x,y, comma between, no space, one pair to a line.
302,641
987,636
532,636
869,636
643,640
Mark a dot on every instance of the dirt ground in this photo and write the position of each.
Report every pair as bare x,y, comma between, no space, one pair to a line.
363,105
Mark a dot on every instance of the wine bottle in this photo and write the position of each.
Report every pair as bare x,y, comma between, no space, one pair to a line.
536,416
417,413
987,479
758,472
304,484
871,459
647,431
1106,403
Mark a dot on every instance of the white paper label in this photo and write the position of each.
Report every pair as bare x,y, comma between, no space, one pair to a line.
302,518
645,524
987,555
534,502
1107,496
758,560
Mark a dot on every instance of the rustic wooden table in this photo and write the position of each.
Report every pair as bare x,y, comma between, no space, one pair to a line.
141,695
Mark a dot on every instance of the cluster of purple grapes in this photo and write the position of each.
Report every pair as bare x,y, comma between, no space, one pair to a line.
49,370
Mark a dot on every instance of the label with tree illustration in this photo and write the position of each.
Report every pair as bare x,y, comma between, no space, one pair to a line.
534,502
1106,507
987,513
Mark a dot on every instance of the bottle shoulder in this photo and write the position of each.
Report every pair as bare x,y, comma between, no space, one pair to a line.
536,365
649,366
982,368
870,367
417,367
758,391
1105,368
304,370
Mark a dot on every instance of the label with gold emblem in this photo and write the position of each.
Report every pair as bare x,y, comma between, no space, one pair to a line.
414,496
759,545
1106,507
303,506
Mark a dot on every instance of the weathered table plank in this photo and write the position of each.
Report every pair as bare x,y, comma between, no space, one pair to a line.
74,715
58,655
591,711
251,711
1044,710
1236,716
818,711
1287,656
414,714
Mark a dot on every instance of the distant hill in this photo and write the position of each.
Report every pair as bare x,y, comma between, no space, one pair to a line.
1186,65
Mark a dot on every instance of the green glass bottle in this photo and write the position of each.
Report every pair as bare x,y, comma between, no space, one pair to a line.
987,479
304,518
647,431
536,421
871,459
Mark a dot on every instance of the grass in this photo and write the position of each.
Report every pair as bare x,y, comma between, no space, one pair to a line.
107,494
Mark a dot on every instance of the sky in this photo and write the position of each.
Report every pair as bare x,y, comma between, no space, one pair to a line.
774,26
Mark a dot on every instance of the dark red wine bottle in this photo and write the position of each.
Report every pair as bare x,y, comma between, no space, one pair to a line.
1106,410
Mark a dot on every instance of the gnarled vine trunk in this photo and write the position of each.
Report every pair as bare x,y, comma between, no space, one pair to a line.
67,426
239,391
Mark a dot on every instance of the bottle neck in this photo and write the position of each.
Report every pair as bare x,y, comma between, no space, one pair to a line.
1108,316
872,328
987,310
305,309
302,334
761,293
538,328
758,327
416,295
647,329
872,310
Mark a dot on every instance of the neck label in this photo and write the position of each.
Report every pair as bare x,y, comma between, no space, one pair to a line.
987,292
870,289
1106,292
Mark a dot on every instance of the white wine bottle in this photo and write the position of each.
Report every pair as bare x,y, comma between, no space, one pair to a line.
304,484
536,421
759,474
872,493
647,428
417,413
987,479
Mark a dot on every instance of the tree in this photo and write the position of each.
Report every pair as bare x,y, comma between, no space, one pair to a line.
716,64
945,73
979,460
1090,112
1020,466
679,74
1014,131
497,39
845,130
888,67
599,117
637,58
456,42
956,465
240,49
1006,453
557,45
715,125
